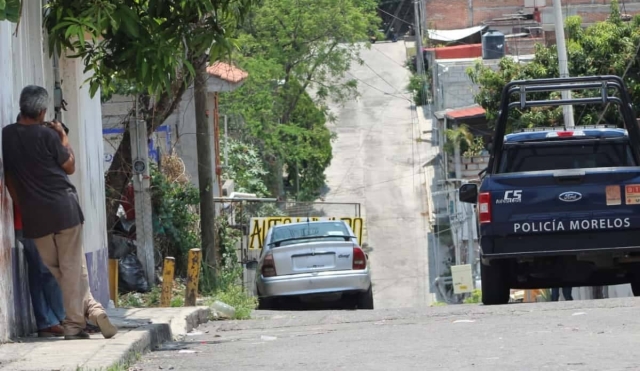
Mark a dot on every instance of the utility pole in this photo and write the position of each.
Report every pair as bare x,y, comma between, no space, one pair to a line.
563,63
471,242
418,30
205,166
142,195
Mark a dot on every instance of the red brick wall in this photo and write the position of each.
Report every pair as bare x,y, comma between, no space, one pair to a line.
447,15
454,14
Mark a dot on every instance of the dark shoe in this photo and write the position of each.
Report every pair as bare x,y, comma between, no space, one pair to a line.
50,332
79,336
106,327
91,329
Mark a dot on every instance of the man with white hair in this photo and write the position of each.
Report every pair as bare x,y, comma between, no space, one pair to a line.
38,160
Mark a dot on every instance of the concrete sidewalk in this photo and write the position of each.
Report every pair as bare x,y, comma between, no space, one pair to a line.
140,329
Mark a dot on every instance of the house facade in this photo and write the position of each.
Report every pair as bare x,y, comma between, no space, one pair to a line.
178,133
24,60
455,14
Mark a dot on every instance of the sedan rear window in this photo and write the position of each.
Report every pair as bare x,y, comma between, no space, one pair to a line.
296,233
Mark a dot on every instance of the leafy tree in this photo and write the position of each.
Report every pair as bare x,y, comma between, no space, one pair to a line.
245,167
291,48
10,10
605,48
145,48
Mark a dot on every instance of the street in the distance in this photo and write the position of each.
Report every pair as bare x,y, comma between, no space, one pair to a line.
376,162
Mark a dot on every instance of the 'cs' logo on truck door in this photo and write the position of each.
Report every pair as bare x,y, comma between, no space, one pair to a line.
510,197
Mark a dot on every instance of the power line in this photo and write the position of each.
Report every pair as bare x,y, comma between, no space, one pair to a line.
380,90
382,78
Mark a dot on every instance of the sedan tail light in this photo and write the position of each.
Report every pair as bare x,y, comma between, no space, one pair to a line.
269,266
359,258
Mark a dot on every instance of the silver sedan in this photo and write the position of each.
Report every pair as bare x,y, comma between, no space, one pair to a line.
313,259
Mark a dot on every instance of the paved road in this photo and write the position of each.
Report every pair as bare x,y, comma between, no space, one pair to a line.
579,335
376,163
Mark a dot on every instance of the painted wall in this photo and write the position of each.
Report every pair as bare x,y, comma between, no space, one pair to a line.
84,119
24,60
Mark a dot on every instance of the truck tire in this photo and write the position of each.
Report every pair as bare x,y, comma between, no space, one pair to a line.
495,290
635,287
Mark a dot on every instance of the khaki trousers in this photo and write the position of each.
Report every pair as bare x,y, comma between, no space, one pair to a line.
63,254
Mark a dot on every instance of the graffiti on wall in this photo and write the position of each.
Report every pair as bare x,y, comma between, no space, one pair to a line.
260,226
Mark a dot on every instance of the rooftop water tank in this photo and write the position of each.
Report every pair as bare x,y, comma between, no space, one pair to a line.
493,45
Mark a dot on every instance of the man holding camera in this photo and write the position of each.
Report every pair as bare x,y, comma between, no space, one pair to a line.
37,161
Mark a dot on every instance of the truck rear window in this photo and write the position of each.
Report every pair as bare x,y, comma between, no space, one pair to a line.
565,155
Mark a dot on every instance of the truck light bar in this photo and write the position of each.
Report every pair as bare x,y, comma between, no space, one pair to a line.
564,134
562,128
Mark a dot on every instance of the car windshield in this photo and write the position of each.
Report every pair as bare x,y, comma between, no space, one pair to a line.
566,155
296,233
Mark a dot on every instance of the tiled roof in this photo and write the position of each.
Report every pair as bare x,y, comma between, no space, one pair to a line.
465,113
227,72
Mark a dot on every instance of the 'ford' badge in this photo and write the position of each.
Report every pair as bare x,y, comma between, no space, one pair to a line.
570,196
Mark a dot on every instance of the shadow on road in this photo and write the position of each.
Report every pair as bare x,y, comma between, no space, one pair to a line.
296,304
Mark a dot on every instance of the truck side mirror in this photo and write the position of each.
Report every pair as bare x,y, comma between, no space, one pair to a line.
468,193
490,147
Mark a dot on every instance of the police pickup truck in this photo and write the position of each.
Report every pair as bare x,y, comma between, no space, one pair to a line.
560,206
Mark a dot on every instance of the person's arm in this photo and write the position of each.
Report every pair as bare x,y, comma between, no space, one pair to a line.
11,186
62,150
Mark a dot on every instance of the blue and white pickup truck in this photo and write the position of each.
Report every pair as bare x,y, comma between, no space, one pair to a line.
560,206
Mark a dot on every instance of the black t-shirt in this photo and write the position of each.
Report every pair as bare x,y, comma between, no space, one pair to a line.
33,155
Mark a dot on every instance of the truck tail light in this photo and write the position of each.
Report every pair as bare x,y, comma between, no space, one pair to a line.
269,266
359,259
484,207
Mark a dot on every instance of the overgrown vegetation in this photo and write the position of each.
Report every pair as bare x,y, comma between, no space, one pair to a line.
605,48
417,88
476,147
474,298
175,211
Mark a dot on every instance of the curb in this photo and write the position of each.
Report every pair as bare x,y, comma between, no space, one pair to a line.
127,347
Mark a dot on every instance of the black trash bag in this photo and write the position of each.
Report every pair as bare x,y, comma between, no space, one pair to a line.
120,246
131,277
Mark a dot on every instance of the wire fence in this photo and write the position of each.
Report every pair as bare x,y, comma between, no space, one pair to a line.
254,217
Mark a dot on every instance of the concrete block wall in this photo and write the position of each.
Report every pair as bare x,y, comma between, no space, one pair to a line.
471,166
453,87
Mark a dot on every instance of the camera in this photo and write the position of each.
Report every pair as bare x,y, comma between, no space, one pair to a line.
49,124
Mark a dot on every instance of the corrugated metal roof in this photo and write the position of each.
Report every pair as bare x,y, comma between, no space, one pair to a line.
454,35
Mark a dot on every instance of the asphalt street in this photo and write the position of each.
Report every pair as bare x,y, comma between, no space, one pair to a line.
376,162
578,335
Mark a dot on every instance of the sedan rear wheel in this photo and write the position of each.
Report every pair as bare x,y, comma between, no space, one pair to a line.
265,303
365,299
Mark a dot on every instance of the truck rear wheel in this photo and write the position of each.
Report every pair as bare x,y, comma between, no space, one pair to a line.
635,287
495,290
